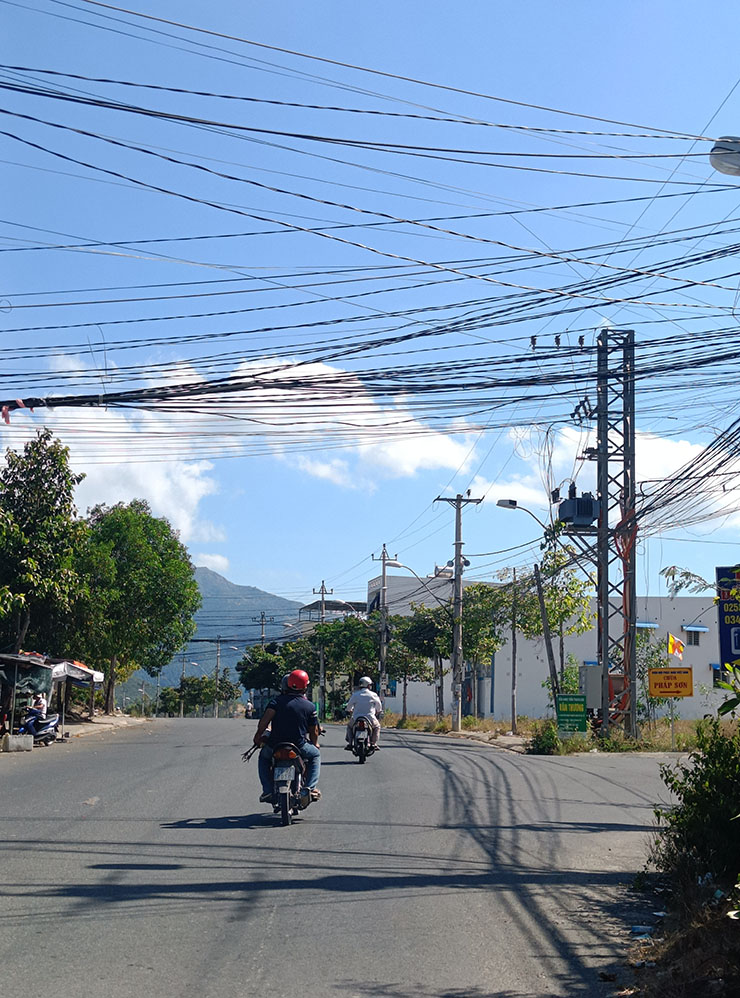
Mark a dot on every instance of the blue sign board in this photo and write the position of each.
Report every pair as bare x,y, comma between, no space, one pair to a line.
728,606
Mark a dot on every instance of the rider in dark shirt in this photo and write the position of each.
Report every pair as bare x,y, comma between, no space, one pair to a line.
291,718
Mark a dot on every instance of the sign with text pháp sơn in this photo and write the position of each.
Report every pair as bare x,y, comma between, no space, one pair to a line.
671,682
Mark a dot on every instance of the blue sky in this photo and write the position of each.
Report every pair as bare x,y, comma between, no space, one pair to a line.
273,489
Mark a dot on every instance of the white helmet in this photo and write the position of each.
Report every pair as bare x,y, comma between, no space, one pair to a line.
366,681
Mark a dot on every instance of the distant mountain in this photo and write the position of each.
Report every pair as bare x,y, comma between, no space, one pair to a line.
233,612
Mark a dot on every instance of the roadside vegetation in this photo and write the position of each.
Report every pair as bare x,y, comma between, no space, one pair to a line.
114,589
696,852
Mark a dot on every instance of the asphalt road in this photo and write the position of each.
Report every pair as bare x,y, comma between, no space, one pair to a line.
139,862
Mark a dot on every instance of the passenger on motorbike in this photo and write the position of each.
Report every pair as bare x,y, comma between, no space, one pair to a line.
35,712
364,703
292,718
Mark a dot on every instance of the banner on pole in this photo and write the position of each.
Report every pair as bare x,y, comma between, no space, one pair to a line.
675,647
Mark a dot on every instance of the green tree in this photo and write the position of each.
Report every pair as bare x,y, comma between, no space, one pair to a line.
566,594
569,679
38,533
197,692
650,654
428,633
303,653
169,700
228,692
143,614
351,646
403,662
261,668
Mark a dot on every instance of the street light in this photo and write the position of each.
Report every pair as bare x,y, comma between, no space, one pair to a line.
725,155
392,563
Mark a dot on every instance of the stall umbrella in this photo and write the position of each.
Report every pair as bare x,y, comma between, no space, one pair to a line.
67,671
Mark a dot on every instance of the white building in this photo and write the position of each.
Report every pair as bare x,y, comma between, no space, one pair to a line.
692,619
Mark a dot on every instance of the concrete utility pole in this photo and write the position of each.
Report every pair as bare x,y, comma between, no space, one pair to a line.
182,686
323,592
457,637
384,559
218,669
262,618
513,654
547,636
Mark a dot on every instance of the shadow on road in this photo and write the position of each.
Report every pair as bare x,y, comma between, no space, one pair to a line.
257,820
403,991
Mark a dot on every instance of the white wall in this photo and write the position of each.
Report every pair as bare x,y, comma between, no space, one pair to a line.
668,614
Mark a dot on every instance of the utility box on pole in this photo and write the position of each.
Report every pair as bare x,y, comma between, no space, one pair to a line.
589,685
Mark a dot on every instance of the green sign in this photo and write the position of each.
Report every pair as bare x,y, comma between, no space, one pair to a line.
571,712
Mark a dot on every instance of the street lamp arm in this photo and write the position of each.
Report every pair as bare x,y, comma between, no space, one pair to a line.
397,564
513,504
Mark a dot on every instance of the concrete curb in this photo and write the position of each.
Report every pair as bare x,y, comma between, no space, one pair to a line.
100,725
504,743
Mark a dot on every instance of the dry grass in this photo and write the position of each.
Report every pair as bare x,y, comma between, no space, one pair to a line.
655,737
428,722
700,959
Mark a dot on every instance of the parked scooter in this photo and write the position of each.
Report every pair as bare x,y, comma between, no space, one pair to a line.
45,730
361,743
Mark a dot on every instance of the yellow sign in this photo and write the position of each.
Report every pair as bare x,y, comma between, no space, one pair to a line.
671,682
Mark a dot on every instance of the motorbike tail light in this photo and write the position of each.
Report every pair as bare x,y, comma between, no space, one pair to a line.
285,754
361,723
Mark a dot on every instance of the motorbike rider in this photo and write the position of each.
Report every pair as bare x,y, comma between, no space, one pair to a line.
35,713
292,718
364,703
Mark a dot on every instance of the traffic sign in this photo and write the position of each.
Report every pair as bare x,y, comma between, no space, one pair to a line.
671,682
728,607
571,712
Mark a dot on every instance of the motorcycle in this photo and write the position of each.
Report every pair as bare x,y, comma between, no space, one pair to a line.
361,743
290,795
43,729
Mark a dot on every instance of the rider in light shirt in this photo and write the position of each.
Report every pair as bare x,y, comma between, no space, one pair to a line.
364,703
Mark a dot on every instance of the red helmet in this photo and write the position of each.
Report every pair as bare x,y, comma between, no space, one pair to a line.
298,680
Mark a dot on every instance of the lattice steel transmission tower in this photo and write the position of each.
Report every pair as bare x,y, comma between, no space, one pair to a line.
613,552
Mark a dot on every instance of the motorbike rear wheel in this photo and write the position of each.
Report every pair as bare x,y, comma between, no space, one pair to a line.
285,813
361,753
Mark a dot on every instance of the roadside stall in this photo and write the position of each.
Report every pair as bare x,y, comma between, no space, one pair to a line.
22,675
70,673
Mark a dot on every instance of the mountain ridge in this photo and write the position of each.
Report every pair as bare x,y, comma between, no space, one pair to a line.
234,613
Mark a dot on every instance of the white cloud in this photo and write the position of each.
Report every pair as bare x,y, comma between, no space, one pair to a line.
173,489
216,562
383,441
525,489
336,470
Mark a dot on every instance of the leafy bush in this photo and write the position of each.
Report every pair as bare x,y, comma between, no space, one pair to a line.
578,742
469,723
544,740
438,727
697,838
